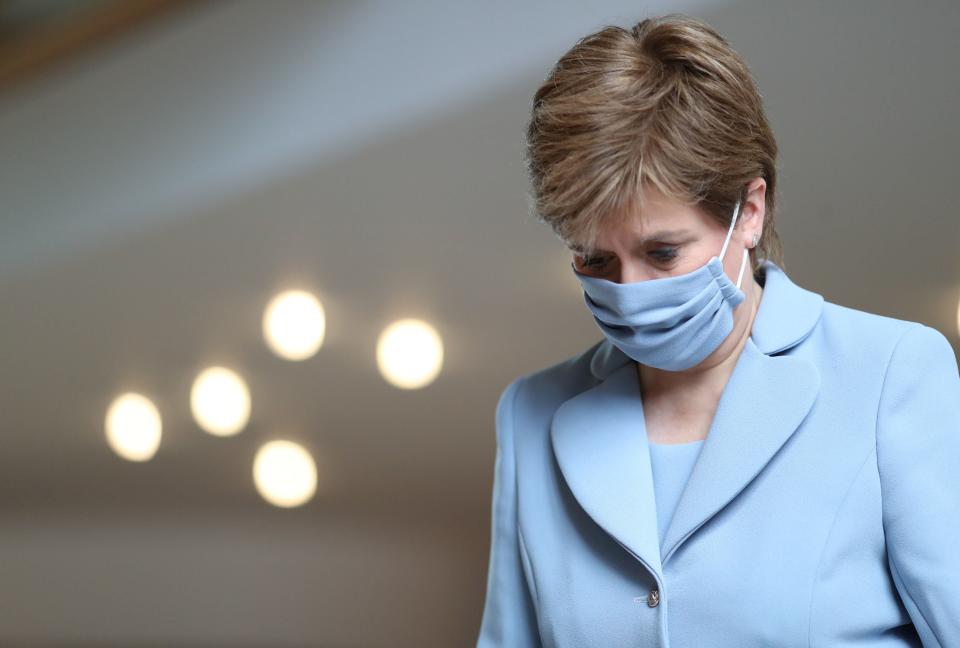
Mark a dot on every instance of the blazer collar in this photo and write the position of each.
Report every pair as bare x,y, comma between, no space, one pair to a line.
600,442
786,315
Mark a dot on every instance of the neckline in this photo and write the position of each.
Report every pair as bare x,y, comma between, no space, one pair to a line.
672,445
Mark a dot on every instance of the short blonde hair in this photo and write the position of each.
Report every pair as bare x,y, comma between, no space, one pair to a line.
666,103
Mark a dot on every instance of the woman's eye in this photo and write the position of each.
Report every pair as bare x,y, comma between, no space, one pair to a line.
665,254
593,262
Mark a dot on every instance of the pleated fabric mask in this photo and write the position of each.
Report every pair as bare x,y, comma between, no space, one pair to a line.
671,323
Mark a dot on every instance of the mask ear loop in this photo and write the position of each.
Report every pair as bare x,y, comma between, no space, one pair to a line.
743,264
726,241
733,222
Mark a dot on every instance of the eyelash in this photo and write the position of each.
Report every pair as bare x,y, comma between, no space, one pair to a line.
671,254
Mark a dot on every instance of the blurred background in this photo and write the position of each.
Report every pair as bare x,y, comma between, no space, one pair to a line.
265,268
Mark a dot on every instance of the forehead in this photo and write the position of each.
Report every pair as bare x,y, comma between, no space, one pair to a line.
658,236
634,230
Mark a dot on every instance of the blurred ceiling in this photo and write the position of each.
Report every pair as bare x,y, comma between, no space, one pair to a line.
161,187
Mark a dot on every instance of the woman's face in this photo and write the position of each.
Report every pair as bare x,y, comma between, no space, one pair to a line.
669,238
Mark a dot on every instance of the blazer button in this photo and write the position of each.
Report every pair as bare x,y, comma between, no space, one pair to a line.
653,599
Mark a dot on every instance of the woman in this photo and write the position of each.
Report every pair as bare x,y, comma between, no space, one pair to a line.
738,462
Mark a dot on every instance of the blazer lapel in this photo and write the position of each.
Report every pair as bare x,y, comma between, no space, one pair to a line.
600,442
763,403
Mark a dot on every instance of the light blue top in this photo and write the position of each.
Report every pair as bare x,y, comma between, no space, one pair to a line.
671,464
823,511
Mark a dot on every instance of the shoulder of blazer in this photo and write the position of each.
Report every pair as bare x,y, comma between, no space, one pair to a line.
787,317
545,388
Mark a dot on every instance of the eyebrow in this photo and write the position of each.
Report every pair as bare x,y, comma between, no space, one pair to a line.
656,236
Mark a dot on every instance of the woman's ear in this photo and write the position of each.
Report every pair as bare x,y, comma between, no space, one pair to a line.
754,209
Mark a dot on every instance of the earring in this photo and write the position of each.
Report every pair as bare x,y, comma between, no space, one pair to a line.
756,239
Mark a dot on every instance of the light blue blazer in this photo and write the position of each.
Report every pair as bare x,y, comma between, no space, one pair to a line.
823,510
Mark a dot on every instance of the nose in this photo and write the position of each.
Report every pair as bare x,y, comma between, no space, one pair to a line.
631,271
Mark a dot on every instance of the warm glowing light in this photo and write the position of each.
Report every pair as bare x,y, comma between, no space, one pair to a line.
294,325
220,401
409,354
133,427
284,473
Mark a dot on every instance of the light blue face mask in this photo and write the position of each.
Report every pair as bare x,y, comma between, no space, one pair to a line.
671,323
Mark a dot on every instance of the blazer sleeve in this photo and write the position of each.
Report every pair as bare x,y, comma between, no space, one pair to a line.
918,459
509,618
